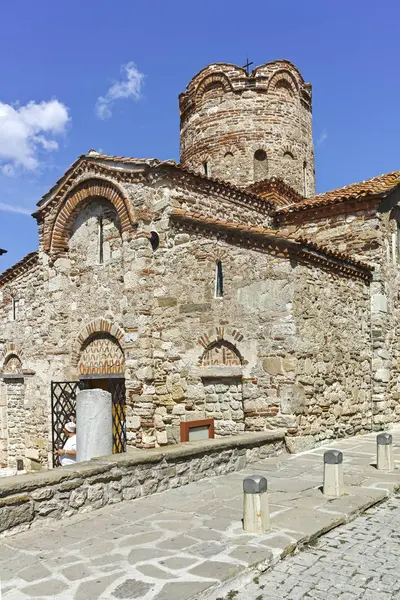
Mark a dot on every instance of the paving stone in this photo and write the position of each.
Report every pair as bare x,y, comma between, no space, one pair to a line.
177,563
78,571
252,554
92,589
142,554
131,588
177,543
222,571
205,534
141,538
156,572
208,549
49,587
182,590
34,573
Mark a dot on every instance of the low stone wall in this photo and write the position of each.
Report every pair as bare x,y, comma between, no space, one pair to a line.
32,499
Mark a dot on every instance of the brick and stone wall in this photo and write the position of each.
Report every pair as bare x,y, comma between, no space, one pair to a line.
245,128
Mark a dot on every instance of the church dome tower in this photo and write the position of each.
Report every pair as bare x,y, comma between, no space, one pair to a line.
244,128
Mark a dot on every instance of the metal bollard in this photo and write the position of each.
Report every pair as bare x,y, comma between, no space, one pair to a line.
384,452
255,504
333,473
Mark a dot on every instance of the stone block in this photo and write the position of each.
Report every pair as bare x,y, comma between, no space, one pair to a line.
14,511
378,303
273,365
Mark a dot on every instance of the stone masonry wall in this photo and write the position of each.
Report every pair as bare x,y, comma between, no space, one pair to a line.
299,332
371,234
35,499
244,128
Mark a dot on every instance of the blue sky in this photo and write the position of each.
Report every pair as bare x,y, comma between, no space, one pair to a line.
58,58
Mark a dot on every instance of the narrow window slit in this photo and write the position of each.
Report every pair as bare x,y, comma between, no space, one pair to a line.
101,241
219,280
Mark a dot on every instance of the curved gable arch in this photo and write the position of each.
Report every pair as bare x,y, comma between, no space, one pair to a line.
212,80
284,79
83,192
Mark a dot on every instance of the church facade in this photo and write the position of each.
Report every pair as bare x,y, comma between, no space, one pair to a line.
219,290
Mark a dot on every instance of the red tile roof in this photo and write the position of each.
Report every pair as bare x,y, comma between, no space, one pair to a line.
303,247
375,187
26,263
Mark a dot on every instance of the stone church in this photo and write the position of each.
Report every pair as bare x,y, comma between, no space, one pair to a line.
219,294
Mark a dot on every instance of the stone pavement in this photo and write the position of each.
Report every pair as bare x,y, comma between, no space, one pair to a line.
188,543
359,560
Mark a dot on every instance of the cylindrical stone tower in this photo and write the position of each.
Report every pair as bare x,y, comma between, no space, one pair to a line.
246,128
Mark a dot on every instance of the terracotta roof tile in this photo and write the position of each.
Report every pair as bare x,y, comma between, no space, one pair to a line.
26,263
304,246
376,186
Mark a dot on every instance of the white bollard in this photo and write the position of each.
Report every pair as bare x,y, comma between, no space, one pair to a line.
384,452
255,504
333,473
93,424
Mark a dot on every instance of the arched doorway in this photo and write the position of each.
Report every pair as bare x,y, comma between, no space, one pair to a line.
99,359
102,366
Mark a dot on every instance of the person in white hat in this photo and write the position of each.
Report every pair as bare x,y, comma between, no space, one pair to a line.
68,452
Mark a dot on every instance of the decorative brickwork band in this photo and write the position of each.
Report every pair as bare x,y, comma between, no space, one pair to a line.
99,348
56,239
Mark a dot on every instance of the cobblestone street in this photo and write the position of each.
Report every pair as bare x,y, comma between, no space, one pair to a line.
359,560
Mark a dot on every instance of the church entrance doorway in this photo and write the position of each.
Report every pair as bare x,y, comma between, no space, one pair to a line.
63,408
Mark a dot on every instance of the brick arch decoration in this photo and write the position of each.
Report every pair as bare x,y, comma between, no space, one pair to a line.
287,78
221,348
212,80
99,326
57,239
286,150
11,353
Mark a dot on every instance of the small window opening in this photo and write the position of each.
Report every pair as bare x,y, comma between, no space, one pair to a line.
305,191
205,168
101,241
288,155
13,309
398,240
154,240
228,155
219,280
260,155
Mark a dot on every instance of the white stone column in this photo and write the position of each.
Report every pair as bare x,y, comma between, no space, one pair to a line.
333,473
93,424
255,504
384,452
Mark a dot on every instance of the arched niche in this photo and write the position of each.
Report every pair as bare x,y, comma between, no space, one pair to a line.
221,353
101,354
71,205
95,234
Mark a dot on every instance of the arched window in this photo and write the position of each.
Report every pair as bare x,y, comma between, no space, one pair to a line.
260,165
206,169
288,155
228,155
154,240
219,280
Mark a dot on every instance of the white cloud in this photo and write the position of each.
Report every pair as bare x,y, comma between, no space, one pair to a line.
14,209
24,130
322,138
129,87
